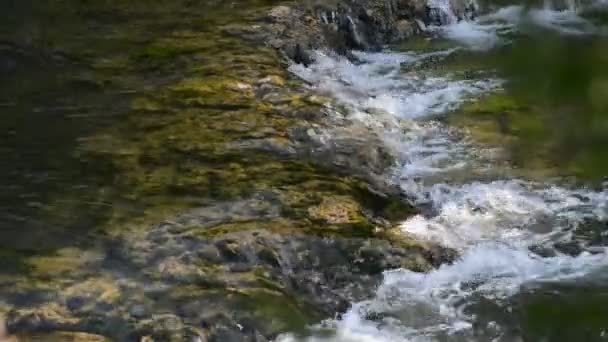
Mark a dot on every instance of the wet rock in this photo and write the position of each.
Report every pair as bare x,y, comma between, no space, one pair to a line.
138,311
63,261
239,270
102,289
209,253
231,251
48,317
280,13
405,29
73,337
324,272
175,269
344,25
297,53
225,334
336,211
593,232
75,303
165,327
274,80
572,248
543,251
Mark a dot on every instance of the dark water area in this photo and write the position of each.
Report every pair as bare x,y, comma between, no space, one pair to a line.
49,98
69,73
567,80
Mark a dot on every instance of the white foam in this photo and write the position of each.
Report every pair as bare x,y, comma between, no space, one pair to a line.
565,21
411,306
491,223
474,35
435,303
378,84
515,212
490,29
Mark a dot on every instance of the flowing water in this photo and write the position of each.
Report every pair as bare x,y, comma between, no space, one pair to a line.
516,279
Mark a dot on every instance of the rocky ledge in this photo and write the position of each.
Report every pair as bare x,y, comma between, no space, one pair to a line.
261,214
345,25
234,271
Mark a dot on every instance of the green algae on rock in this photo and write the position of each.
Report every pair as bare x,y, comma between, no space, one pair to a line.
205,198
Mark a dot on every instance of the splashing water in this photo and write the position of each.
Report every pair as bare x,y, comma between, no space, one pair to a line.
492,223
486,32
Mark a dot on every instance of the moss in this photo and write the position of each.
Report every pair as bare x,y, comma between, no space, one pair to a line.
278,312
498,103
337,210
272,310
514,125
63,337
145,104
103,289
276,226
66,261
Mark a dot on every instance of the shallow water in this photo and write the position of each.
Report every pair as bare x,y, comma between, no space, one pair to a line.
75,79
502,194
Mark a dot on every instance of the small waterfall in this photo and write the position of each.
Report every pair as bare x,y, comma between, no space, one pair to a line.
573,5
440,12
355,32
446,12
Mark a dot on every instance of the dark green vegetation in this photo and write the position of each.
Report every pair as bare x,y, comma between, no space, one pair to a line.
552,114
566,83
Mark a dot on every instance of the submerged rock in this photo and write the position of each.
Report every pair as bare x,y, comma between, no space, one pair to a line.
237,270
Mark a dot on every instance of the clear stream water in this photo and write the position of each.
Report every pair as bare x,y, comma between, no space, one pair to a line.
498,290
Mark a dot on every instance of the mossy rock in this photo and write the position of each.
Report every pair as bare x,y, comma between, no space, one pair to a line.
63,337
498,103
337,210
276,312
66,261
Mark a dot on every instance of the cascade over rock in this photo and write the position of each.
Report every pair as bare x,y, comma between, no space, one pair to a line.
346,25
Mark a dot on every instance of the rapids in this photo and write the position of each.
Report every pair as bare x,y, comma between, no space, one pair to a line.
496,220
